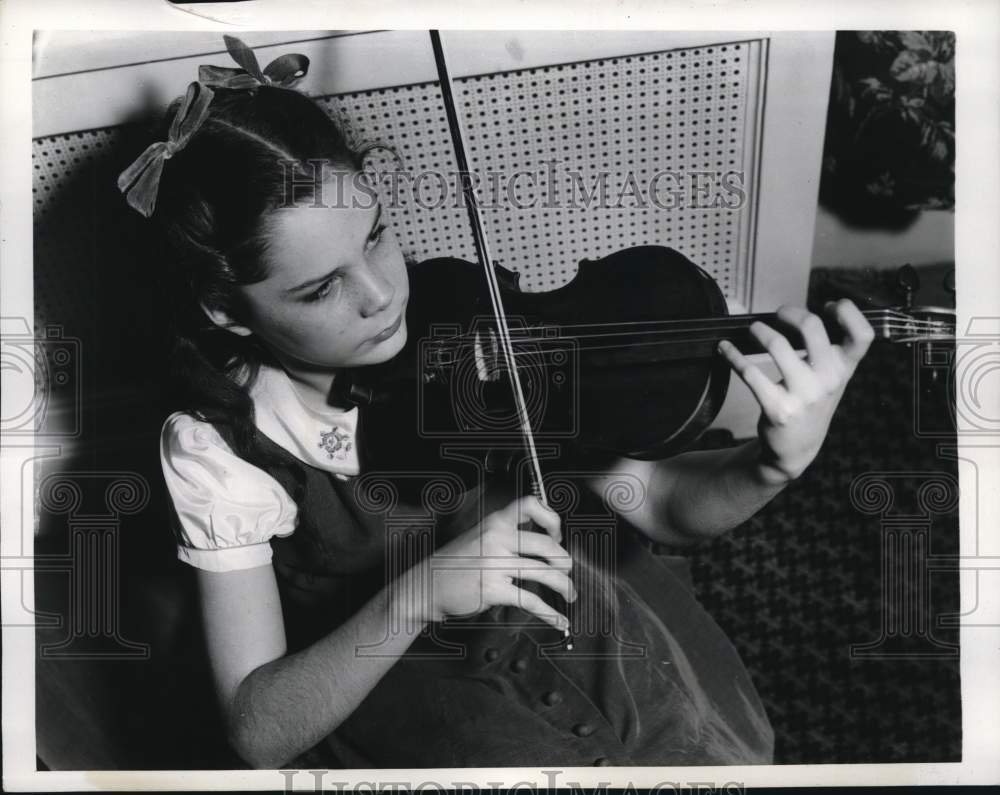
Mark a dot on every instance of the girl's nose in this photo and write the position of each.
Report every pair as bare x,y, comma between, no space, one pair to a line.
378,294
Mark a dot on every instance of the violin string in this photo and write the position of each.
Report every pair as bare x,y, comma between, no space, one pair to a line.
652,328
725,320
626,345
468,339
701,329
677,337
691,323
619,346
738,322
720,323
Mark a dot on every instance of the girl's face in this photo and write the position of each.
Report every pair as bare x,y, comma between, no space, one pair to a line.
337,288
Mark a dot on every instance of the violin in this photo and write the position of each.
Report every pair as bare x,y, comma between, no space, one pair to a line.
621,361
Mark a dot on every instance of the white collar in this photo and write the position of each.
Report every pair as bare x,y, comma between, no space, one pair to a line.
325,438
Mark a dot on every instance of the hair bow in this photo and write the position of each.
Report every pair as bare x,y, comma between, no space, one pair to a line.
140,182
284,71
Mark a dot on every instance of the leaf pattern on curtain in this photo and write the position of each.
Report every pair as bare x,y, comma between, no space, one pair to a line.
890,137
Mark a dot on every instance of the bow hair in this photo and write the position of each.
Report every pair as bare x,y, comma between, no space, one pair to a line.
140,182
284,71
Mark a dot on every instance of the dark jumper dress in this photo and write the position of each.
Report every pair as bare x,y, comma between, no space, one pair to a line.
619,698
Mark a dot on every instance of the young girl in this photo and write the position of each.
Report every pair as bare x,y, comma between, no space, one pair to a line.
322,653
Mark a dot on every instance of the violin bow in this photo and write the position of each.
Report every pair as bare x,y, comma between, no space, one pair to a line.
485,257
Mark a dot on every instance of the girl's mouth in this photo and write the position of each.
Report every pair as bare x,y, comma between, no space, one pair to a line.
389,331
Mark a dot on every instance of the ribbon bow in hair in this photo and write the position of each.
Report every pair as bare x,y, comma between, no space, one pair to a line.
284,71
140,182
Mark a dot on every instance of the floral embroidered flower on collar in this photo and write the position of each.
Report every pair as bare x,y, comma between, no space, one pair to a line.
336,443
322,438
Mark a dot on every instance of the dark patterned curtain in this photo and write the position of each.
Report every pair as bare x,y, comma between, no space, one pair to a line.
890,137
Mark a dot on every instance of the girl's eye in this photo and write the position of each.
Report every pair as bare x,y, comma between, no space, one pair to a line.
376,234
321,292
327,287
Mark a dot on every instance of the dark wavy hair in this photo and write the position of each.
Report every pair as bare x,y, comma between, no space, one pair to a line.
214,200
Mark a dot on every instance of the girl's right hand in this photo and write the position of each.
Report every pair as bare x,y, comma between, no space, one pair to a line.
476,571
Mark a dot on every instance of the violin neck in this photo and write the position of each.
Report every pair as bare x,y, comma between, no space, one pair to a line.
890,325
623,343
737,330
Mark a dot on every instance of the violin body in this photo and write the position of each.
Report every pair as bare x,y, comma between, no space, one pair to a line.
595,382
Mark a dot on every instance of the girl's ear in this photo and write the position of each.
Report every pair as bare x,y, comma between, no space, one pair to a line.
221,318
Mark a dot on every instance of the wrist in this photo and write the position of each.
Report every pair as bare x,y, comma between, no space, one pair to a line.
410,597
767,470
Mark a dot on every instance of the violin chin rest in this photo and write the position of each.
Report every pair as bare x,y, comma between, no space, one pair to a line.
347,392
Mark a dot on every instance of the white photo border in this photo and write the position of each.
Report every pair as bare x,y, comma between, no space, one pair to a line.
977,27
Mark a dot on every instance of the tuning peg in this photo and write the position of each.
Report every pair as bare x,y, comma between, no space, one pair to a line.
908,283
949,281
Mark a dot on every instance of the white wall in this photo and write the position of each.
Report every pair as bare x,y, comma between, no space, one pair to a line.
928,241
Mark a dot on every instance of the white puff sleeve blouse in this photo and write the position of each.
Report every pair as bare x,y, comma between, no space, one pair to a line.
226,509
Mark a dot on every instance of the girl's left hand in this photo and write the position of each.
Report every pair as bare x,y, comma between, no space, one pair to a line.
796,412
